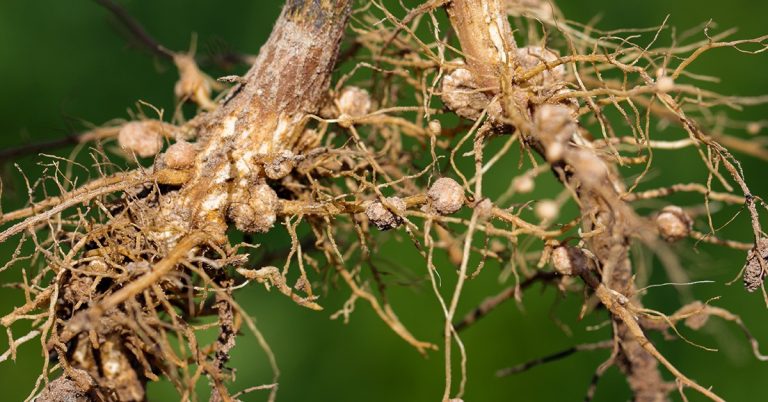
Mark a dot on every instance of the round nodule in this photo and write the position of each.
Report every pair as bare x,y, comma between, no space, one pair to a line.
547,210
180,155
257,212
673,223
280,165
354,102
568,260
446,196
143,138
384,218
523,184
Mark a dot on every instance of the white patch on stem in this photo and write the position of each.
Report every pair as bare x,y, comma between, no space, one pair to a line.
498,42
229,127
214,202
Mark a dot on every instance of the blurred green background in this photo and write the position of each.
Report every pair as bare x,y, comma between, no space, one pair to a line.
66,64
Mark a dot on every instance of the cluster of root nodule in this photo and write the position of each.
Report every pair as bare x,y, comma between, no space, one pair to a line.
107,346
